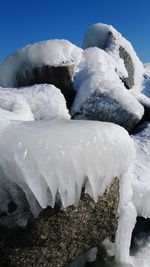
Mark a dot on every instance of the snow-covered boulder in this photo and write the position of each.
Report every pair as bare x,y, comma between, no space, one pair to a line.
52,62
38,102
107,38
101,95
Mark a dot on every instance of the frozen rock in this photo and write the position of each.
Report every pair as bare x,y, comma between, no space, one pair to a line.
101,95
52,62
52,160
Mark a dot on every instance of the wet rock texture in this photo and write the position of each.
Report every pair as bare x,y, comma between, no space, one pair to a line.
59,236
60,76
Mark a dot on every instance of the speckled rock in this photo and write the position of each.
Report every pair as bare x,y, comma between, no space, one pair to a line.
59,236
60,76
129,81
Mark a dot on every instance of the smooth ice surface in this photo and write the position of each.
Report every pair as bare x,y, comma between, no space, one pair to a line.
57,157
37,102
52,52
97,35
97,74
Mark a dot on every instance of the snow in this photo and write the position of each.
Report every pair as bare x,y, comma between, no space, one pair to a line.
52,52
141,183
98,35
97,73
147,69
135,192
55,158
36,102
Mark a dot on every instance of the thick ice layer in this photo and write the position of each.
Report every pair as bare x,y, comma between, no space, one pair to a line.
57,157
32,103
51,52
97,35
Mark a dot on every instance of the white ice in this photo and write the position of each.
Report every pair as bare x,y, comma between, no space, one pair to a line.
57,157
36,102
52,52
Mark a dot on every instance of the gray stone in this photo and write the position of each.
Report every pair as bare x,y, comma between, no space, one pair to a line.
128,62
103,106
60,76
59,236
129,81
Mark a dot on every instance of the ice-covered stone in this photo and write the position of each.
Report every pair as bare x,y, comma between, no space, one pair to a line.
51,160
100,93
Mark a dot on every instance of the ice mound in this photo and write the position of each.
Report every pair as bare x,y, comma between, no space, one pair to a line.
52,53
51,160
36,102
107,38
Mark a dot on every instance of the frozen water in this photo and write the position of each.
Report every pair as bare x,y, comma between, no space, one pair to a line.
47,158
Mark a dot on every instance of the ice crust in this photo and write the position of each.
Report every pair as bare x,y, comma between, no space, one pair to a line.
37,102
56,158
52,52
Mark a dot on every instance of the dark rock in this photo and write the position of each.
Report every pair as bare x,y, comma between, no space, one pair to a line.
60,76
59,236
128,62
129,81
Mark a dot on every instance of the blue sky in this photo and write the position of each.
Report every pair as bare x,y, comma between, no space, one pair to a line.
24,22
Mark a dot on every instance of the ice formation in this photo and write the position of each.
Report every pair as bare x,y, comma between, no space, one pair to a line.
55,158
97,35
52,52
36,102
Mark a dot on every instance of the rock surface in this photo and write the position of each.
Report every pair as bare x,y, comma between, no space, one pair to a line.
60,76
58,236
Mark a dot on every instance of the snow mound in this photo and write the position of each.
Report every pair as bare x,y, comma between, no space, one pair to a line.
38,102
141,183
107,38
101,94
147,69
52,160
52,52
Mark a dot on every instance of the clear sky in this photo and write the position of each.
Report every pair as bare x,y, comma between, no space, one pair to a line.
28,21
